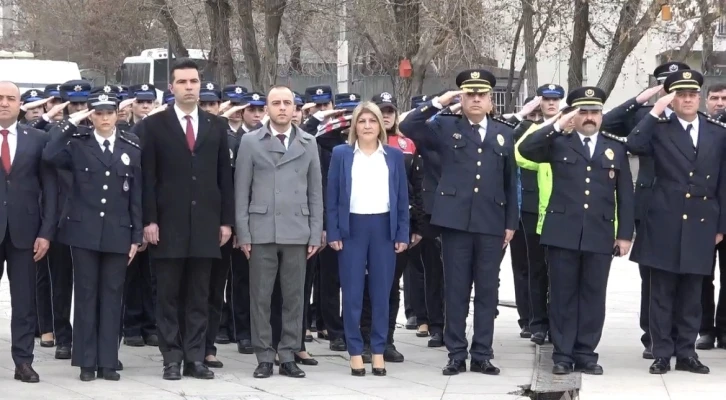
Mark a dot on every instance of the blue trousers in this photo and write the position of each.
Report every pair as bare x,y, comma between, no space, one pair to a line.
368,248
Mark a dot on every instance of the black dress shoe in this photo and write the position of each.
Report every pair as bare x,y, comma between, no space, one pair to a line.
436,340
647,354
244,346
198,370
484,367
63,352
358,372
88,374
291,369
119,366
706,342
47,343
25,373
538,338
721,343
306,361
263,370
589,368
454,367
660,366
390,354
323,335
378,371
134,341
172,372
525,333
213,363
222,338
108,374
152,340
338,345
691,364
411,323
562,368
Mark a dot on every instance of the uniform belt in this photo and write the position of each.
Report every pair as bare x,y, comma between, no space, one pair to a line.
693,190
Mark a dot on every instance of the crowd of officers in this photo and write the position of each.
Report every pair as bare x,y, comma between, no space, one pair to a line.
552,182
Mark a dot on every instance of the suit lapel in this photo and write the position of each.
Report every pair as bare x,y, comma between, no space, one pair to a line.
21,146
202,129
391,163
295,148
705,139
467,131
680,138
174,126
578,146
348,170
600,146
95,148
273,148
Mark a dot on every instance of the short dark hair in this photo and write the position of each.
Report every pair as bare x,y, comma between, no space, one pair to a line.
273,87
716,87
183,63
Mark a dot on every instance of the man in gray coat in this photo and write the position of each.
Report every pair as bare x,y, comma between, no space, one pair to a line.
279,224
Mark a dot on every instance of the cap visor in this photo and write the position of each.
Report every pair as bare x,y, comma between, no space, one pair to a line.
104,107
208,98
146,97
256,103
552,96
77,99
383,106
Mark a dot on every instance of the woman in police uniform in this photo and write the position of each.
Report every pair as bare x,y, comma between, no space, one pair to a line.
101,224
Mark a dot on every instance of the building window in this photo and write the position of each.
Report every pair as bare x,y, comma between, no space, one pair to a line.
721,29
584,70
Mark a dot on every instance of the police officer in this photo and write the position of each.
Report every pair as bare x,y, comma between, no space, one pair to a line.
145,95
476,207
28,97
621,120
592,185
682,223
102,225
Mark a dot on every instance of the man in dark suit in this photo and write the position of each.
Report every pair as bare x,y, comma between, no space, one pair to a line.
188,209
682,222
476,207
27,221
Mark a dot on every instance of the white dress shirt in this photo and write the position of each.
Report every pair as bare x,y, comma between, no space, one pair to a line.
286,133
369,182
100,139
591,144
181,116
694,129
482,128
12,140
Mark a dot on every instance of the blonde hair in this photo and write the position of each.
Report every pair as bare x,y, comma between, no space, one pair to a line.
362,108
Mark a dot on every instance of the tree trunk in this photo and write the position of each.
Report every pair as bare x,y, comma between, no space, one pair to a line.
577,46
692,38
530,53
707,61
273,21
627,36
172,30
249,44
509,105
221,52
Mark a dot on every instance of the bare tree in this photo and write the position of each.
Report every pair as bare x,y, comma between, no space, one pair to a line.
163,13
220,62
261,59
579,39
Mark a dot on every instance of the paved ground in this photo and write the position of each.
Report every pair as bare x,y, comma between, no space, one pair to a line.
419,378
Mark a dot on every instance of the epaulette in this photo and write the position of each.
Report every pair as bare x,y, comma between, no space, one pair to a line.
126,139
448,114
663,120
712,120
504,121
614,137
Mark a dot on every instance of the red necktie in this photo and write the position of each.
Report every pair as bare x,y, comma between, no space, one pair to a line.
282,138
5,151
190,133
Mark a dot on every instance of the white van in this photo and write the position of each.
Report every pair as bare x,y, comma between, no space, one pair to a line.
29,73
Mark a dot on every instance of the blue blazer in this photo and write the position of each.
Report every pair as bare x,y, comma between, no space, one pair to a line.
339,187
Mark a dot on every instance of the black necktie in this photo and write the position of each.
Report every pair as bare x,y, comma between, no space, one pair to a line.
476,128
586,144
688,132
107,150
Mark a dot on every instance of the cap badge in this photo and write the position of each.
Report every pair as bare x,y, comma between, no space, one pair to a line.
352,97
103,97
609,154
385,96
551,87
238,90
78,88
144,87
125,159
673,68
590,93
319,91
210,86
120,89
687,75
57,87
475,75
255,97
107,89
423,98
33,93
500,140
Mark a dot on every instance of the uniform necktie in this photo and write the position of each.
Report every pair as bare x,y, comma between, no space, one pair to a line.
5,151
586,143
476,128
190,132
688,132
282,138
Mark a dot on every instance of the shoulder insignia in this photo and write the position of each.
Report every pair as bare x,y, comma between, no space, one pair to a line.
613,137
126,139
713,120
82,134
664,120
503,121
449,114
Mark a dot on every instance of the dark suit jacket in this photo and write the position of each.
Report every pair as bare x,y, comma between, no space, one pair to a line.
28,194
340,184
188,194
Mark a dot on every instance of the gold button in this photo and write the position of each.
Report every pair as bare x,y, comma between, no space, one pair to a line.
685,216
102,214
586,206
705,198
105,187
612,166
478,176
103,201
587,180
589,168
708,176
478,163
690,174
479,150
688,195
476,190
442,193
564,159
108,173
702,219
587,192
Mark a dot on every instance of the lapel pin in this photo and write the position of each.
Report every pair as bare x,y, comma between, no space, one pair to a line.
125,159
609,154
500,140
457,136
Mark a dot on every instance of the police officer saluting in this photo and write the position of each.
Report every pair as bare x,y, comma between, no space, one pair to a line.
476,207
102,225
685,218
591,185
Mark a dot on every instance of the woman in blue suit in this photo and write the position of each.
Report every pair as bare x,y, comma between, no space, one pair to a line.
368,223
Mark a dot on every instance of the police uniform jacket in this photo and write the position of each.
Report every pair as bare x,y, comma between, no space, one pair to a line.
586,192
27,193
104,210
529,184
684,215
189,194
477,191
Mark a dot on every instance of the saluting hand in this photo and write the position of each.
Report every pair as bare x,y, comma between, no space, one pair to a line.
530,107
132,253
79,116
647,94
40,247
35,104
126,103
230,112
151,233
307,106
225,233
662,104
157,110
446,98
508,235
56,109
564,120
